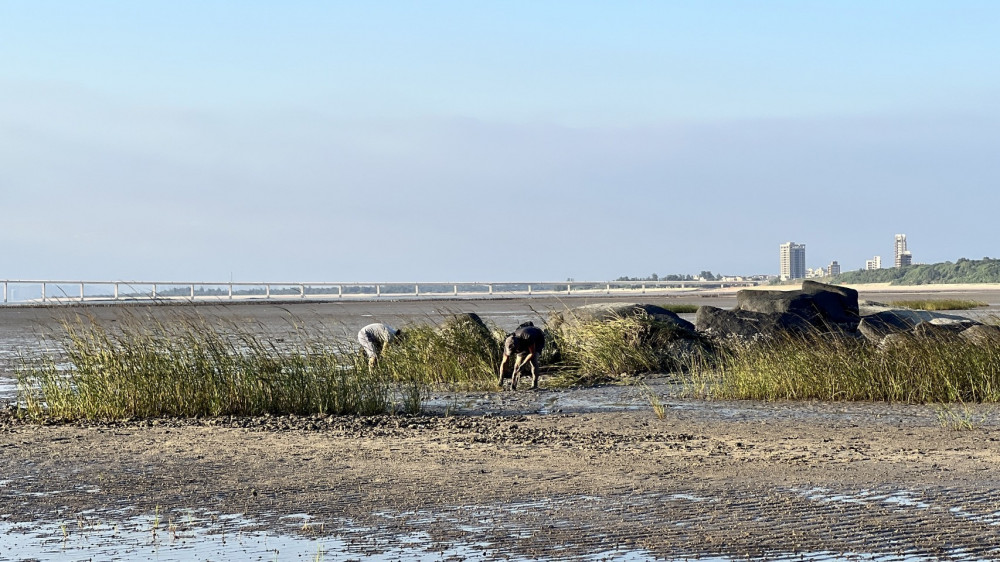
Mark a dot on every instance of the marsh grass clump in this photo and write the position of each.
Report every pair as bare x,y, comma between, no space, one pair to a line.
459,355
678,308
939,304
659,408
960,417
190,367
834,367
602,350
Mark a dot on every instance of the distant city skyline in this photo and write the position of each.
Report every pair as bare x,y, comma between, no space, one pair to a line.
793,263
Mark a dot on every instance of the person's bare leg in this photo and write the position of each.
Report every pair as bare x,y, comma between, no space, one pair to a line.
516,375
534,371
503,363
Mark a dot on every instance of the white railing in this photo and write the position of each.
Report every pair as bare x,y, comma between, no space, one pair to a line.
35,292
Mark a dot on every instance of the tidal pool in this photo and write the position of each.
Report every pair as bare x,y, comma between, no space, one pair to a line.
215,537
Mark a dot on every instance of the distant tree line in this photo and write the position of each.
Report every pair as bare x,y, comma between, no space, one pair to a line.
705,275
986,270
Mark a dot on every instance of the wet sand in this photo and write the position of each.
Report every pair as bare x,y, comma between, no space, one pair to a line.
603,475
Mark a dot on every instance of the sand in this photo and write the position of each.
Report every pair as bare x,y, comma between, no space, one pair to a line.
709,479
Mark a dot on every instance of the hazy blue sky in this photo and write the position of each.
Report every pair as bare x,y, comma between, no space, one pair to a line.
351,141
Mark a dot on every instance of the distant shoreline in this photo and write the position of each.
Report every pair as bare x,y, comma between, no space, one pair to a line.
927,288
889,288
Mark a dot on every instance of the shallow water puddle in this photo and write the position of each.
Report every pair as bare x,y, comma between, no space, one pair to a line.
129,540
150,537
903,499
216,537
191,535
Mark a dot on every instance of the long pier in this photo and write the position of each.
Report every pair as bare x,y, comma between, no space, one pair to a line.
54,292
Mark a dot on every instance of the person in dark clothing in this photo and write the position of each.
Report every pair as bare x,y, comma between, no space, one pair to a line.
525,344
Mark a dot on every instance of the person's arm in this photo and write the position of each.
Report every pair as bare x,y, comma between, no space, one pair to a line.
503,363
531,353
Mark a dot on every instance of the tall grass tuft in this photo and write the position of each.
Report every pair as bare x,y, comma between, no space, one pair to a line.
188,367
679,308
940,304
598,351
960,417
659,408
916,370
462,356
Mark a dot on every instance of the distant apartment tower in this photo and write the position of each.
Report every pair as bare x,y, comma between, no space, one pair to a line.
833,269
902,256
793,261
874,263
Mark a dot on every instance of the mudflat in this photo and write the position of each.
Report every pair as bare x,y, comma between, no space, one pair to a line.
511,476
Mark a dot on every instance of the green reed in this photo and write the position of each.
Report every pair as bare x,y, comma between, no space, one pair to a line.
681,308
459,356
598,351
190,367
939,304
916,370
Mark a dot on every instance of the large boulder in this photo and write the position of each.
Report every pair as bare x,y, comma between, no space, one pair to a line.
777,302
897,341
465,326
827,307
879,321
672,340
936,331
836,303
943,332
749,324
603,312
876,326
914,317
982,334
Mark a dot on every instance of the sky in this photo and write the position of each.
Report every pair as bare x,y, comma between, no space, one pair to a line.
491,141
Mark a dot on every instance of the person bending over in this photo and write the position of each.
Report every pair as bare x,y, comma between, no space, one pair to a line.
373,339
525,344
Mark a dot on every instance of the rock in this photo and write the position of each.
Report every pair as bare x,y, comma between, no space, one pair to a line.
878,321
913,317
827,307
838,304
939,332
672,340
815,309
467,324
464,319
748,324
602,312
874,327
896,339
982,334
777,302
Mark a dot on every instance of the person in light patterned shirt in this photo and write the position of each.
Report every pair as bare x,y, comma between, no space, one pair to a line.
374,337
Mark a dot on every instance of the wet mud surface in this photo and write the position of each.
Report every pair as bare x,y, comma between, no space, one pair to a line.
605,476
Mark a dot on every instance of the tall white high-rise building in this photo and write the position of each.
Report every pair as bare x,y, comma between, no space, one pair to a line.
901,255
874,263
793,261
